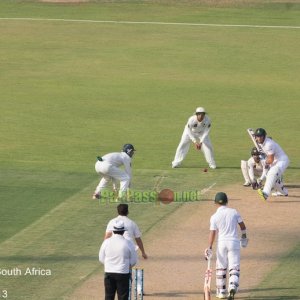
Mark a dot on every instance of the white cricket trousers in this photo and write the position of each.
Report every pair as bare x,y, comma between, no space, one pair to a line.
110,172
228,257
274,175
184,146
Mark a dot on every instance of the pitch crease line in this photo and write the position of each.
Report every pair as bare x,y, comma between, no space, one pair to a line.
157,23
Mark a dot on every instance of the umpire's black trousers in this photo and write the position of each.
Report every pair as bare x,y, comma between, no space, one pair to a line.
116,282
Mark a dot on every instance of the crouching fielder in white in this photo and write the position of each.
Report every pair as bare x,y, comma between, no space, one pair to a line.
197,131
225,221
276,161
108,166
253,169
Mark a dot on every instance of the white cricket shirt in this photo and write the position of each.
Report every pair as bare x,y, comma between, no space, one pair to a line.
253,165
197,129
118,159
225,221
132,230
270,147
117,254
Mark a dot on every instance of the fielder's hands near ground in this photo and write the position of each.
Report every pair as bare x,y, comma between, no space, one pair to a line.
208,253
145,256
259,182
198,146
244,242
255,185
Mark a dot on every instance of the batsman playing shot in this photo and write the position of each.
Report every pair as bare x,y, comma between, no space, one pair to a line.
224,223
276,162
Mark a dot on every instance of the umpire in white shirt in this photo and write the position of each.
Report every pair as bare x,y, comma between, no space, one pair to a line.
118,256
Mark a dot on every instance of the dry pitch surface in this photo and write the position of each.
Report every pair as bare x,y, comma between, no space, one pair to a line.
175,268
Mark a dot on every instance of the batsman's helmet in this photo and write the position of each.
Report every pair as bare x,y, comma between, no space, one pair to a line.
128,149
260,132
221,198
254,152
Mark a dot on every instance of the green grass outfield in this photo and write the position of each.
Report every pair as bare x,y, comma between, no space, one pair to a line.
70,91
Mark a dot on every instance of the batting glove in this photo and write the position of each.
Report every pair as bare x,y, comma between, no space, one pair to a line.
255,185
244,242
262,155
208,253
259,182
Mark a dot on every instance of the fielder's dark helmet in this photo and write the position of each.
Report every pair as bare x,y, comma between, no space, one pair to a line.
221,198
128,149
260,132
254,152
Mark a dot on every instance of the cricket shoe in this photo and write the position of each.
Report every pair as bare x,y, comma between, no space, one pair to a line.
221,296
246,184
262,195
96,196
278,194
231,294
213,166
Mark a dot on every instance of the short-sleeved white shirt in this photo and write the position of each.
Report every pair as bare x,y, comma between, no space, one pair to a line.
132,230
117,254
225,221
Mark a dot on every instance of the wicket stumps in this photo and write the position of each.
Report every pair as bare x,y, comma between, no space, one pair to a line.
137,284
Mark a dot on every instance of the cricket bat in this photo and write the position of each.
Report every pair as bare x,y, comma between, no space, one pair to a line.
252,136
207,281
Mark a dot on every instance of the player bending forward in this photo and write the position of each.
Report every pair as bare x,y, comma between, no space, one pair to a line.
276,161
225,221
108,166
197,131
253,169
